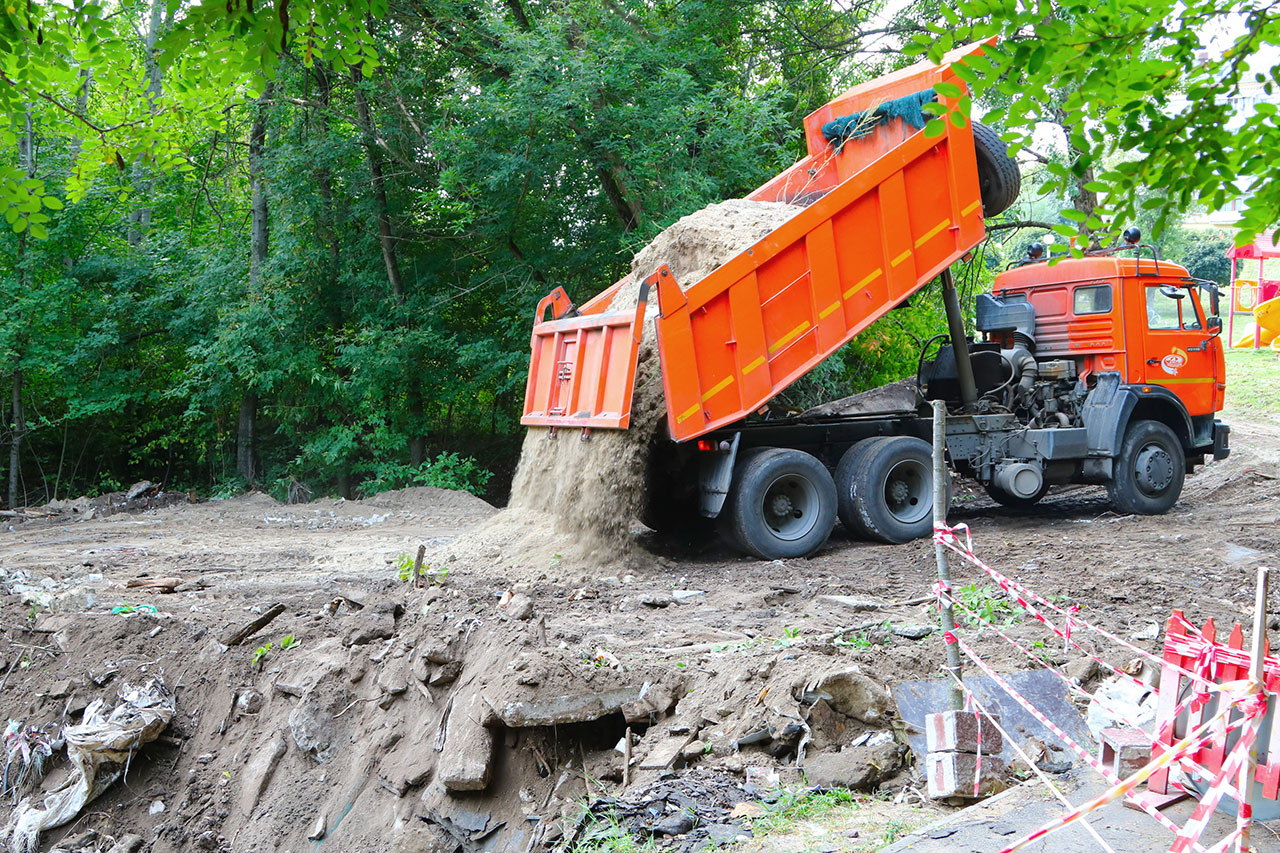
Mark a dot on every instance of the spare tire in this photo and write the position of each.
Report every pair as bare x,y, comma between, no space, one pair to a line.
999,178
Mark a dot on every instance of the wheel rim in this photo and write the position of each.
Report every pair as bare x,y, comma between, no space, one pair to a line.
790,507
907,491
1154,469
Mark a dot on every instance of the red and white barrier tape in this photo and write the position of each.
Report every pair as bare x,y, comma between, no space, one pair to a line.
1043,777
1071,742
947,536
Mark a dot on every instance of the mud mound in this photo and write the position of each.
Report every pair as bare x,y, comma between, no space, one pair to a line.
574,501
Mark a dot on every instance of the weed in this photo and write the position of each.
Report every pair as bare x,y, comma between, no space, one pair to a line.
33,612
987,603
858,640
287,642
607,834
894,829
791,807
404,570
260,654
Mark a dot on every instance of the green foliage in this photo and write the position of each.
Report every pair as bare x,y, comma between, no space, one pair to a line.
1145,97
446,471
287,642
404,571
988,604
522,146
260,654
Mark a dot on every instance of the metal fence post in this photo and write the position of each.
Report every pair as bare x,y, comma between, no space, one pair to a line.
940,478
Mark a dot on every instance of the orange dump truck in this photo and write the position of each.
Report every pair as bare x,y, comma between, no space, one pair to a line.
1102,369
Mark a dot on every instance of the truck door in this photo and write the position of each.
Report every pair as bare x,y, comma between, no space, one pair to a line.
1173,334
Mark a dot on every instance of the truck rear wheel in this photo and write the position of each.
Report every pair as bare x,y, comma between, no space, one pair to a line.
783,504
999,179
886,489
1148,473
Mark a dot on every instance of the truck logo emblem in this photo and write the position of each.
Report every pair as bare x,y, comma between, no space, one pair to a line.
1173,361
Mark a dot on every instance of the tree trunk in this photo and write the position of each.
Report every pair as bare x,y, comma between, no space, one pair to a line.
247,424
417,439
385,238
140,219
246,439
259,213
19,427
327,226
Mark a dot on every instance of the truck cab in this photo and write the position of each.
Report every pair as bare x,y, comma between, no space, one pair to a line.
1137,327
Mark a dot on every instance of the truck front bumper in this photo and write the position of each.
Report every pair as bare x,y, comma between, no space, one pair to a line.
1221,440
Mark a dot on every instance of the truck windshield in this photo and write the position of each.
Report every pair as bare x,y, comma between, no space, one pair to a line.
1169,312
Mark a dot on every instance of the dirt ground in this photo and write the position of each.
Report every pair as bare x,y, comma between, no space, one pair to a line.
364,733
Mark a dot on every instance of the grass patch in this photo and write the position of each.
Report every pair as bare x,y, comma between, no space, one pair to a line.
792,807
606,834
1253,381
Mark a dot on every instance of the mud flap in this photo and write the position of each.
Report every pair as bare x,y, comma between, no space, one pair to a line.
715,476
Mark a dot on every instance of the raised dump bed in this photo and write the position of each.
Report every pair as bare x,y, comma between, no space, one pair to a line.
885,209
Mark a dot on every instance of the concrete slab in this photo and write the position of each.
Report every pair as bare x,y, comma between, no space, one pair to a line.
917,698
1000,821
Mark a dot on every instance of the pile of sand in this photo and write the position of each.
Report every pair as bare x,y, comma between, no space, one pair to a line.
573,502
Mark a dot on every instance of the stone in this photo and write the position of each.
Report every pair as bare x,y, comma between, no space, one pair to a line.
421,668
857,768
855,695
393,678
687,596
694,750
962,731
446,673
313,729
655,599
911,632
951,774
1083,670
520,606
1124,750
467,761
748,810
726,833
258,772
370,624
127,844
677,824
318,831
850,603
439,654
249,702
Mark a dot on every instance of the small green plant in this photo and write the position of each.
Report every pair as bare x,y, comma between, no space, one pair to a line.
260,654
287,642
859,640
33,612
894,829
987,603
605,833
404,570
791,807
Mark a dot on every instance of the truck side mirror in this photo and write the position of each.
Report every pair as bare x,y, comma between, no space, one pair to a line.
1215,294
1214,323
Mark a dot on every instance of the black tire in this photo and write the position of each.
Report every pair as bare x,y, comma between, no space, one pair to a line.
1003,498
853,460
782,504
999,178
887,488
1147,475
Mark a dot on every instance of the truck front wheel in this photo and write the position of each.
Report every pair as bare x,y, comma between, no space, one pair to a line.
1148,474
783,504
886,489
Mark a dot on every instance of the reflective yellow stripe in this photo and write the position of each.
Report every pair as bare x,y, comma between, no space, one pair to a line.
1189,381
971,208
901,258
875,275
828,311
932,232
688,413
717,388
789,337
753,365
